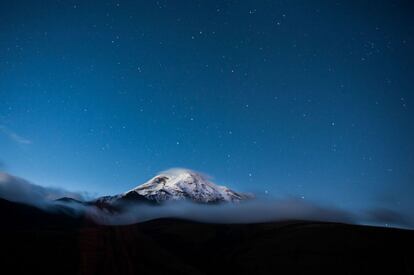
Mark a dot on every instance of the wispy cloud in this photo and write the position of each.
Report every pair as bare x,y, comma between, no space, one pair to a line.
14,136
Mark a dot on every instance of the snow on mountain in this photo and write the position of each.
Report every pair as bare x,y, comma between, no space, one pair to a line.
180,184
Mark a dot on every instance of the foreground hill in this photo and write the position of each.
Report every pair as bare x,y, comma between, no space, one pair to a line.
34,241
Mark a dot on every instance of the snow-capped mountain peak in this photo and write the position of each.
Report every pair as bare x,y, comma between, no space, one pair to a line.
179,184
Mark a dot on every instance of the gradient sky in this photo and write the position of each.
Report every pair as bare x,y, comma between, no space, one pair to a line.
302,98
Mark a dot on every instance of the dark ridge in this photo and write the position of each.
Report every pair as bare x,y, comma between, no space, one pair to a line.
68,200
134,197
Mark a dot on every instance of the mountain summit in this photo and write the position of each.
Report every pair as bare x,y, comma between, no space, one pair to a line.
172,185
180,184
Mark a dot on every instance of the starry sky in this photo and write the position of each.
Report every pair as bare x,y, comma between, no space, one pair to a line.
299,98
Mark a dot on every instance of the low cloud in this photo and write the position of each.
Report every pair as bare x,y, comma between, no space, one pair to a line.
19,190
254,211
14,136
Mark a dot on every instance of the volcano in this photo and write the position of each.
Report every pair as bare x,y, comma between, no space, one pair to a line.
177,185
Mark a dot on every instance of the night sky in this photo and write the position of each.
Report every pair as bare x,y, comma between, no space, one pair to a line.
312,99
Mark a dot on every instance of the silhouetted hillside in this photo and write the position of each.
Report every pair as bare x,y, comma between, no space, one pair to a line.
34,241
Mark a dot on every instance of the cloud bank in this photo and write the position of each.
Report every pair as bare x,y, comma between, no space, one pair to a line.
19,190
254,211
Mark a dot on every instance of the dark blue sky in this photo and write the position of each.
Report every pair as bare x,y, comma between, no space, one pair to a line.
304,98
